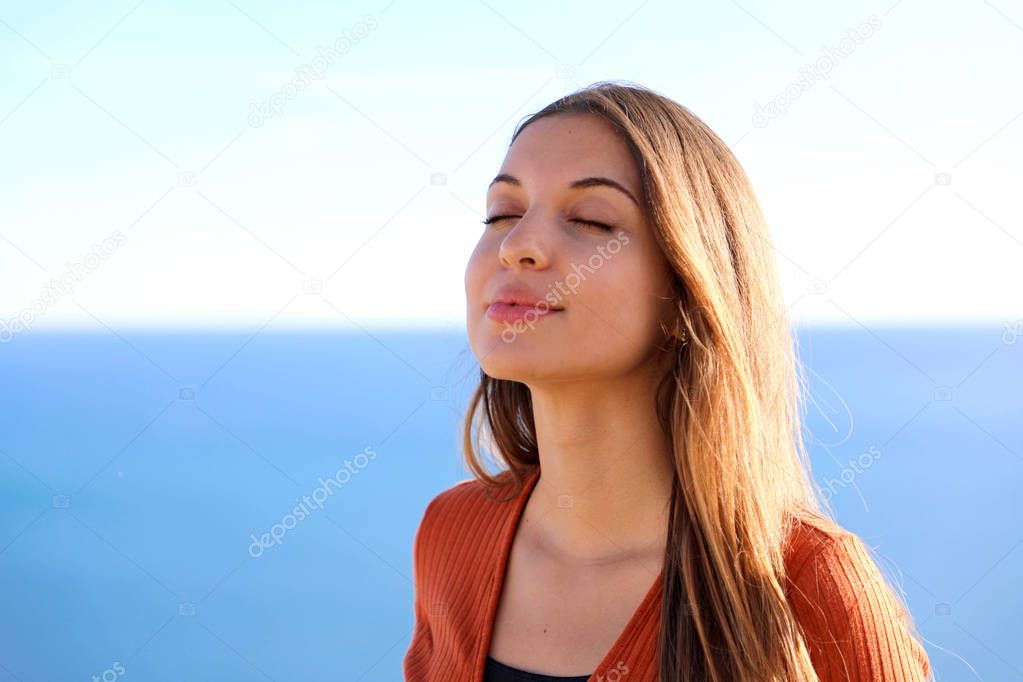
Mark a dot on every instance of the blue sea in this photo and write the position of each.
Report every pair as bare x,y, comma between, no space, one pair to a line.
241,506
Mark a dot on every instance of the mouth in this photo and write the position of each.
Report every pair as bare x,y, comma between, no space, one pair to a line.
512,313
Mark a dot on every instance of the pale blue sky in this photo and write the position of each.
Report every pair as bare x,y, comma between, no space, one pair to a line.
133,119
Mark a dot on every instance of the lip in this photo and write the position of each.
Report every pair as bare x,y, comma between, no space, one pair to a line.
513,313
515,303
517,295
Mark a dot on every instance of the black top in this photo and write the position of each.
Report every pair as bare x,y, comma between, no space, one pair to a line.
495,671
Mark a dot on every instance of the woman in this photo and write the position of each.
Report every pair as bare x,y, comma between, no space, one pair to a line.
655,518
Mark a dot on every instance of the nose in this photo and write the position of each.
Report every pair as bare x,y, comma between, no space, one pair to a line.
526,244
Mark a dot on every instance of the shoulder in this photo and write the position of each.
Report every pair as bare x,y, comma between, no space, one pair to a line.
434,553
455,554
855,627
441,511
463,513
452,499
463,501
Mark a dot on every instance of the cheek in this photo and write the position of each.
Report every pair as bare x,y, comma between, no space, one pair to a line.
623,300
475,274
480,273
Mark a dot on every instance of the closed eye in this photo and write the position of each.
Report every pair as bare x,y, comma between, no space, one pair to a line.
592,223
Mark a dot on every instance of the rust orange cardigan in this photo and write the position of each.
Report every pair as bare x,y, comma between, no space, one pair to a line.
853,631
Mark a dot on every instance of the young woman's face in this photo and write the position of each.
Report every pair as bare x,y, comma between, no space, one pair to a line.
601,292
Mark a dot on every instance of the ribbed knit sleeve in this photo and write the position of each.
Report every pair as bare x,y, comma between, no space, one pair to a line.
418,654
854,628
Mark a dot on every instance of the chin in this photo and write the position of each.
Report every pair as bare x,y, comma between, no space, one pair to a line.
513,360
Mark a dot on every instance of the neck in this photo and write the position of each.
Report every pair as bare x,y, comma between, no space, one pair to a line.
606,473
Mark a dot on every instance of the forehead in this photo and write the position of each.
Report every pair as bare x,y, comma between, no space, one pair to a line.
557,149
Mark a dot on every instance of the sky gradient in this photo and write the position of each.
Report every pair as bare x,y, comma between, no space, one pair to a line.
890,177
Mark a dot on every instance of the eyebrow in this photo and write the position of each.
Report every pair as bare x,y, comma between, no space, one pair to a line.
593,181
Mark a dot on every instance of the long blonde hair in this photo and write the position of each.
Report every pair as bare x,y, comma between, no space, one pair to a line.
731,402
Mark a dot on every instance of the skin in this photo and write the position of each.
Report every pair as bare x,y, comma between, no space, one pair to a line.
592,370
